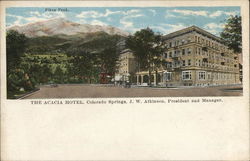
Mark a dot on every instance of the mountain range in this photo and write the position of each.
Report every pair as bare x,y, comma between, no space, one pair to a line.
61,26
62,36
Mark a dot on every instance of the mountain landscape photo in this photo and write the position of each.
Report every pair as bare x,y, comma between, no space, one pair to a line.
60,34
112,45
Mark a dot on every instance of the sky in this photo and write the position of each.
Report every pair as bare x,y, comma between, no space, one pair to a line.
161,19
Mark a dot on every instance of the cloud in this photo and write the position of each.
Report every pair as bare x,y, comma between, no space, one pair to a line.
219,13
190,12
214,25
17,21
109,19
95,14
49,15
126,23
172,13
131,12
127,19
35,16
175,27
152,11
36,13
33,19
233,13
87,14
169,28
97,22
214,28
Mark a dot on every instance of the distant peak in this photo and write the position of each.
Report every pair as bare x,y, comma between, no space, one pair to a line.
60,25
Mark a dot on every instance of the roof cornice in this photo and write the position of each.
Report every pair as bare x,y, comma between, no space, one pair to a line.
192,29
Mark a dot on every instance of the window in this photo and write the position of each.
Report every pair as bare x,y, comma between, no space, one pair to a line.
170,65
166,55
183,41
183,51
183,63
170,54
202,75
216,76
208,75
189,50
170,44
175,53
186,75
176,64
189,62
168,76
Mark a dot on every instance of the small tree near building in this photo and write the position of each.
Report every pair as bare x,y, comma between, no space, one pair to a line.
147,47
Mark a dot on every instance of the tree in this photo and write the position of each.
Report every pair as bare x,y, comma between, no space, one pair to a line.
17,79
16,46
45,72
83,64
147,47
59,75
232,34
108,60
35,72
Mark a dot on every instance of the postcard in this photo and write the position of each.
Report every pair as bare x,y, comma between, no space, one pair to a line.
125,80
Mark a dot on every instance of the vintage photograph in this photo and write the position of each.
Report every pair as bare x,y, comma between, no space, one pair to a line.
124,80
106,52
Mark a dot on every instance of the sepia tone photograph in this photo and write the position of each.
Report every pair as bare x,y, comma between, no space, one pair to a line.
91,52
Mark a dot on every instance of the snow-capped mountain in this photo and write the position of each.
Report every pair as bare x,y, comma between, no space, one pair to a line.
61,26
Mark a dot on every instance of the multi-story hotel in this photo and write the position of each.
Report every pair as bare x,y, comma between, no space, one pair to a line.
126,66
194,57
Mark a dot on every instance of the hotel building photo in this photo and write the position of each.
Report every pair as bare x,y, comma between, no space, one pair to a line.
194,57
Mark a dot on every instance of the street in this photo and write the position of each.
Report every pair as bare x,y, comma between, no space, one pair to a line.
103,91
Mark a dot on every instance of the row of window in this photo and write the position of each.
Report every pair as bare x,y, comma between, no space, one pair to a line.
210,43
178,64
181,41
202,75
176,53
187,51
199,51
221,65
198,39
199,63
